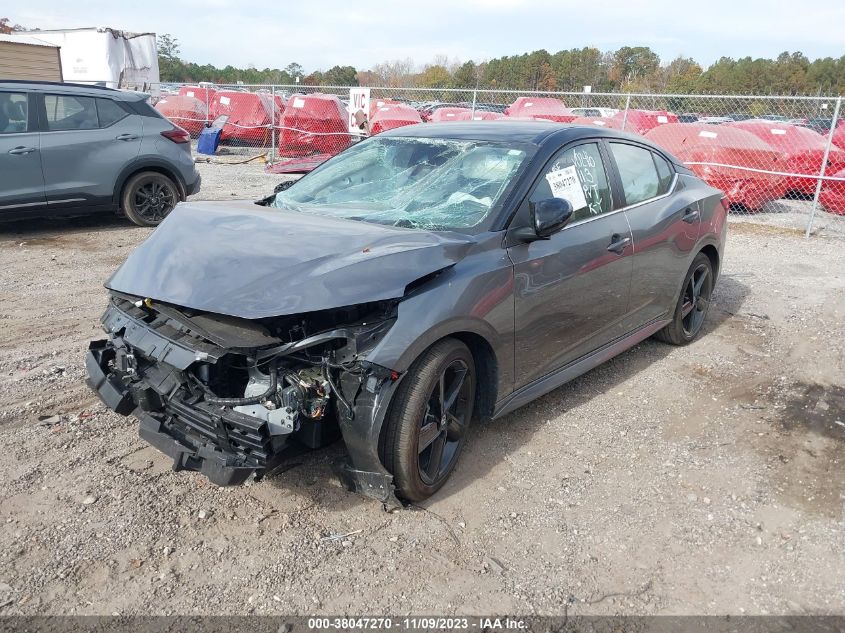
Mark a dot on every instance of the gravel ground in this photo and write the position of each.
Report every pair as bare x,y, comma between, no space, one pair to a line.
700,480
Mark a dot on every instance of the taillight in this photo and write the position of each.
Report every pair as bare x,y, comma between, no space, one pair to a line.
726,203
177,135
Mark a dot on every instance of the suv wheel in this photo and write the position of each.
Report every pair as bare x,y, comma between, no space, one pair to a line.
148,197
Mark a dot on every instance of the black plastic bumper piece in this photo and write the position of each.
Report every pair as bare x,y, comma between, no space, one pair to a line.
221,468
213,464
112,392
377,486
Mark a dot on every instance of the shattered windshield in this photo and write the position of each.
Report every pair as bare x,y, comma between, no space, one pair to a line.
435,184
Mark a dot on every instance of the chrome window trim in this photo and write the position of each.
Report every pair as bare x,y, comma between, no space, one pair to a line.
49,202
626,208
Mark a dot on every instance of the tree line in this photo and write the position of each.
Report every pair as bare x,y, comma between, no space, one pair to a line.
627,69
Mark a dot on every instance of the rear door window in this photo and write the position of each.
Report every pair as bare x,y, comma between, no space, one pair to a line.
70,112
637,171
14,112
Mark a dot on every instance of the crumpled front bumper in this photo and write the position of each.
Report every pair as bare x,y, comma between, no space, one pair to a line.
187,449
138,371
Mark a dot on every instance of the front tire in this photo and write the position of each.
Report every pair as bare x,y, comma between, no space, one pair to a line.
148,197
693,304
427,423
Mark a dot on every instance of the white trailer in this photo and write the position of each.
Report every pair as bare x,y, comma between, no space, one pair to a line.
107,57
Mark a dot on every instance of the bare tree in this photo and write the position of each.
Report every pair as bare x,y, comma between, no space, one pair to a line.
398,73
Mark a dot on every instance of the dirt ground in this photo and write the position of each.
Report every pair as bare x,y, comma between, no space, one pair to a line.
708,479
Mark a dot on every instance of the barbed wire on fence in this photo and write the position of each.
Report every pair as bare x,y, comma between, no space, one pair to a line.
779,159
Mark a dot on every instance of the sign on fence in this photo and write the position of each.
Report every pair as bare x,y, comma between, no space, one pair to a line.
359,111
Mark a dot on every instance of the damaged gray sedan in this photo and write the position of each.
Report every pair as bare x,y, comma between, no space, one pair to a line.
425,277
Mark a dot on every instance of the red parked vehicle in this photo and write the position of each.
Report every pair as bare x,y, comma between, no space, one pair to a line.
609,123
463,114
728,158
205,93
392,115
188,113
832,196
315,123
375,104
642,121
251,115
802,148
839,134
546,108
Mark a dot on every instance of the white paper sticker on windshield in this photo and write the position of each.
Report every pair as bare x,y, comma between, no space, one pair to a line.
225,100
190,93
450,114
662,119
706,134
529,104
778,132
298,103
565,184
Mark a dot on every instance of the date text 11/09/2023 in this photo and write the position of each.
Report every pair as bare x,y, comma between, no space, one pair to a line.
426,623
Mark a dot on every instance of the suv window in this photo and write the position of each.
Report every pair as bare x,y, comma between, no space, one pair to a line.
590,195
638,172
109,112
664,173
70,112
13,112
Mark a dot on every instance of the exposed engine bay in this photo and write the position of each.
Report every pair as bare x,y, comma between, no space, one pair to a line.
229,396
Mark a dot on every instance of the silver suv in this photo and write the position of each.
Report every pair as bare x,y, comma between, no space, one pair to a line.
69,149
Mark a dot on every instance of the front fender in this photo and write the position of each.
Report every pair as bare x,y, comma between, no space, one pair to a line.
475,296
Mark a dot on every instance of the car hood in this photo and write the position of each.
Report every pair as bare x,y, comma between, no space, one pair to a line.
244,260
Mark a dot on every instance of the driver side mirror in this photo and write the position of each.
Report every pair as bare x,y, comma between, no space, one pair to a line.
547,218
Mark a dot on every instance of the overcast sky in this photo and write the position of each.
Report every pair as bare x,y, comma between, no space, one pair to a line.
321,33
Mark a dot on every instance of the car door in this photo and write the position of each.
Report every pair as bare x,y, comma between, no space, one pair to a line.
665,221
571,291
85,144
21,178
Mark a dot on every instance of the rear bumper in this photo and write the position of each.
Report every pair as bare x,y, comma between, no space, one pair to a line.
193,187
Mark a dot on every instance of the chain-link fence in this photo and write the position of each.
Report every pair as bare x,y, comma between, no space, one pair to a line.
780,160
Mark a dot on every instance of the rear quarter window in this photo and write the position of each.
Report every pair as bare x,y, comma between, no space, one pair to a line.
664,174
109,112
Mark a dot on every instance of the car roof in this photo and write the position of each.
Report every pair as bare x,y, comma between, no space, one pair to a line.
71,88
513,131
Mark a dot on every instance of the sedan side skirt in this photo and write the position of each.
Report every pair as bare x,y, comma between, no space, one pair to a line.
561,376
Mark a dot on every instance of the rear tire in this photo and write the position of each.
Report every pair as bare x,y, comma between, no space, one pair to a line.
148,197
693,304
424,438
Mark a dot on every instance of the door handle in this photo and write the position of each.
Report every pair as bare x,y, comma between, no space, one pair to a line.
691,215
21,150
618,243
126,137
